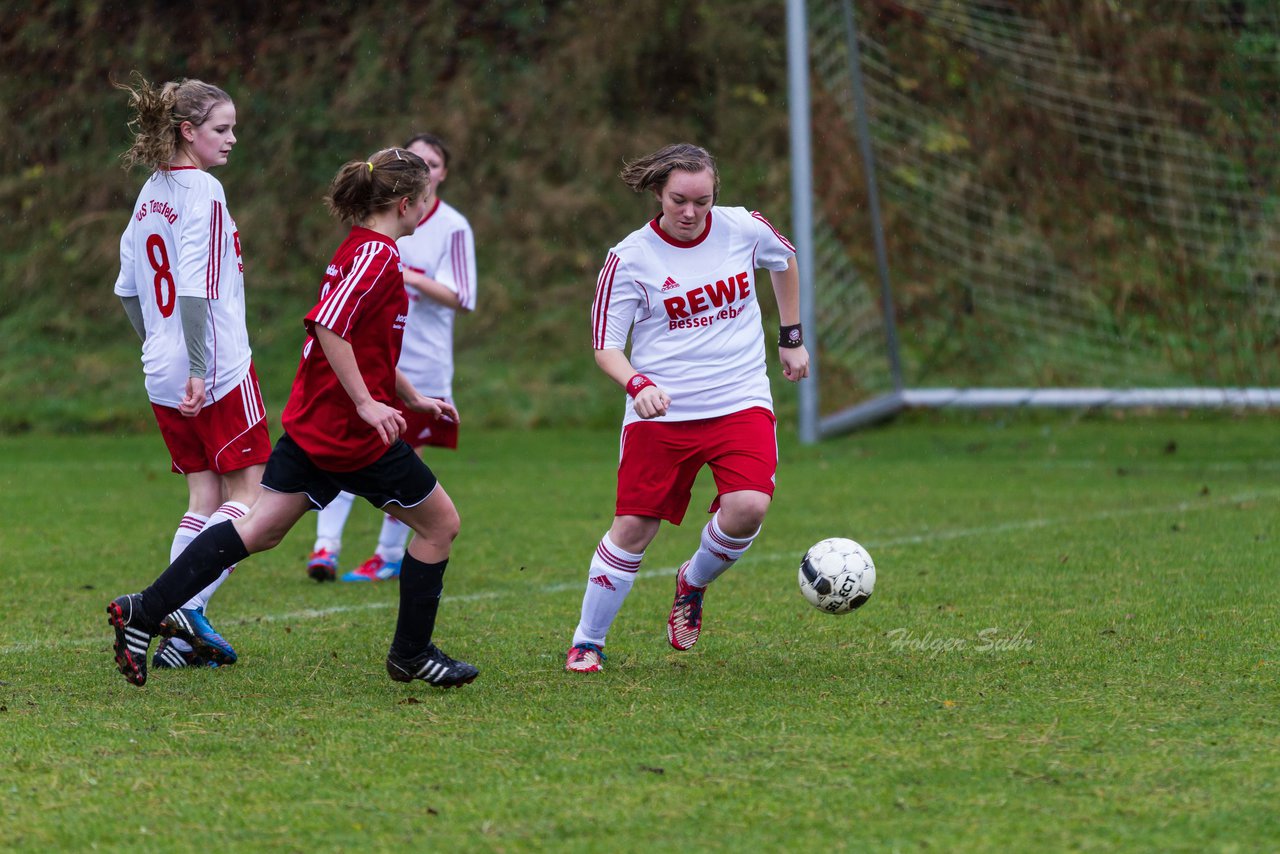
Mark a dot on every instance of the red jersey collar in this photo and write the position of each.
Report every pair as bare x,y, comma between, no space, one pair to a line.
435,207
681,244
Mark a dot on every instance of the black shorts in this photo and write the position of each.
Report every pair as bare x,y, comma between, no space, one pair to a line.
397,477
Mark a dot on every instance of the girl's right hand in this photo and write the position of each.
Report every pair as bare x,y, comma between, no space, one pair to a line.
193,397
385,419
651,402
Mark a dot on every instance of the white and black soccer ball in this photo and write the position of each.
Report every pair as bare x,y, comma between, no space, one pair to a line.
837,575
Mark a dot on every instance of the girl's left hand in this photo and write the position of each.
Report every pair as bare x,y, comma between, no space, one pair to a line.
434,406
795,362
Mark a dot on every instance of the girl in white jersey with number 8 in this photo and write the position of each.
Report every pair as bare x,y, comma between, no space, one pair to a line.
683,287
182,285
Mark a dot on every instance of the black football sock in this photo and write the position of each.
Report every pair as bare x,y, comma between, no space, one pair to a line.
200,563
420,587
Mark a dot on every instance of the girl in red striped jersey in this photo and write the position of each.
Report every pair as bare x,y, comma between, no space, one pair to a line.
181,283
439,264
683,289
342,432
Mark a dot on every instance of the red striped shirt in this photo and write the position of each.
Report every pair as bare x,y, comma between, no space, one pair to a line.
362,299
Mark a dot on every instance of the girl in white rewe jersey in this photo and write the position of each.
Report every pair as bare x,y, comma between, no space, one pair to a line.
181,283
439,265
683,288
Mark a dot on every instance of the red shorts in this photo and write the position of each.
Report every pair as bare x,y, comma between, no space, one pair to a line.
430,430
228,435
661,461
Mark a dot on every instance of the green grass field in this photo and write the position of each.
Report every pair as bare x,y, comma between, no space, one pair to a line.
1072,645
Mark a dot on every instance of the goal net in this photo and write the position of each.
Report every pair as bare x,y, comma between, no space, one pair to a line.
1075,204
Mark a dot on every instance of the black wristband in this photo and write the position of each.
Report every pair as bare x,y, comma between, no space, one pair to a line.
790,336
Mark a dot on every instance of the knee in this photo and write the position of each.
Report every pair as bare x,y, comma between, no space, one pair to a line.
450,524
633,533
442,528
244,485
744,515
260,538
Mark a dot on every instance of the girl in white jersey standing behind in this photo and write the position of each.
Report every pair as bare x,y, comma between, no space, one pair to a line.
683,286
439,265
182,286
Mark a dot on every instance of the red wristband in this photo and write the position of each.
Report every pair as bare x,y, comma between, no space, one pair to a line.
637,384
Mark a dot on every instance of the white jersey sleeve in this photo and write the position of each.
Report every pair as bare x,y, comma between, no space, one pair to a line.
457,268
126,283
773,252
198,234
618,302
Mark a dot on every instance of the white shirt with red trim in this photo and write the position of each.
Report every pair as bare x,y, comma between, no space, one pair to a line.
691,311
442,248
182,241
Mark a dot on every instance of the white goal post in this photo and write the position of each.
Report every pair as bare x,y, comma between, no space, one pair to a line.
1008,290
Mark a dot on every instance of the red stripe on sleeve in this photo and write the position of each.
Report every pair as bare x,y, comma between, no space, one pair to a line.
461,275
213,267
776,233
604,291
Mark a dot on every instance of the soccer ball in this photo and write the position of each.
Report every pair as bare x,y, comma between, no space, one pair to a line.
837,575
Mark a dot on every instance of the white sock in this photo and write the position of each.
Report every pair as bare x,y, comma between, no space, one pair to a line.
331,520
228,511
609,580
191,525
392,539
717,552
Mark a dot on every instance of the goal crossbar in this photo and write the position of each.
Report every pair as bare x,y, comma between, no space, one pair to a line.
886,406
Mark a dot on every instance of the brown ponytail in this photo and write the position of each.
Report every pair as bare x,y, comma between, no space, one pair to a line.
364,187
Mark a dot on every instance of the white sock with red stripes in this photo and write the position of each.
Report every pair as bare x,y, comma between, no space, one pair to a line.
229,511
191,525
609,580
331,520
717,552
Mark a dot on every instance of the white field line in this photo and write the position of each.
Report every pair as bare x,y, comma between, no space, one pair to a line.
563,587
1144,467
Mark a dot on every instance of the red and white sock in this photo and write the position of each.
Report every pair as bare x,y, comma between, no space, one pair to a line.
609,580
716,553
229,511
191,525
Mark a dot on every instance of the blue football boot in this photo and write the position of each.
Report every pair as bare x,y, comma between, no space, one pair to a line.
192,626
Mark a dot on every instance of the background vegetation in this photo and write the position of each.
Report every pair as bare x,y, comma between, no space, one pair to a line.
542,102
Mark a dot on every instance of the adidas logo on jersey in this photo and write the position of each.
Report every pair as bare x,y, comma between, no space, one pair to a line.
669,284
603,581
